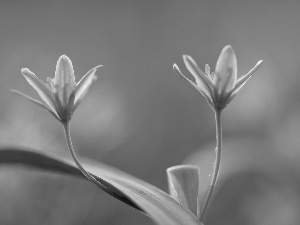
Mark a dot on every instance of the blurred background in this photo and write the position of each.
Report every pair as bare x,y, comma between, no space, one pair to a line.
141,118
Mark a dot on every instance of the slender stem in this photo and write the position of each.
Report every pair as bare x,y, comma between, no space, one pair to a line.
71,149
103,184
216,165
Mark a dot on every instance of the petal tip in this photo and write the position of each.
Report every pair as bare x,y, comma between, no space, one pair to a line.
186,57
228,47
227,51
27,73
25,70
14,91
257,65
64,59
190,63
97,67
177,71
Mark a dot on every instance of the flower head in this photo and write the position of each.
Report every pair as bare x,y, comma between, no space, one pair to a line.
221,86
61,94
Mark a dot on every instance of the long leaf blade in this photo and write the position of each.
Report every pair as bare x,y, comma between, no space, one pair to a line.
163,209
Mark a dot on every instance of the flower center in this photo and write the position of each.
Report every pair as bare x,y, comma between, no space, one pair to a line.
207,70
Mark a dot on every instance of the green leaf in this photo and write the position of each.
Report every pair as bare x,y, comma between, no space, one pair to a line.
140,195
183,183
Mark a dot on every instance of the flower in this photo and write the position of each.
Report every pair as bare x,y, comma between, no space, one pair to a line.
61,94
221,86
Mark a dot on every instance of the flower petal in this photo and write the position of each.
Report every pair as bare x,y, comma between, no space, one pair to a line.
183,183
64,81
201,78
199,88
83,85
54,113
226,70
42,89
242,80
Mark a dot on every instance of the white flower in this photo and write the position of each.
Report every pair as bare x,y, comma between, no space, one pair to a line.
61,94
220,87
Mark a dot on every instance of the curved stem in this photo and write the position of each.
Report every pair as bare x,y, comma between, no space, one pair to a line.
103,184
73,154
216,165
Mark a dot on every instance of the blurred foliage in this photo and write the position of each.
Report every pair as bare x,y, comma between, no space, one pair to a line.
140,117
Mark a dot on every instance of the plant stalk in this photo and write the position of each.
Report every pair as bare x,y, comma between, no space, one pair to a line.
73,154
216,164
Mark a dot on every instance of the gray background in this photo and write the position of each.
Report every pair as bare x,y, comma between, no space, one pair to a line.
140,117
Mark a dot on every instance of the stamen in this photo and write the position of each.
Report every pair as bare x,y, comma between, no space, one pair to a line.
207,70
